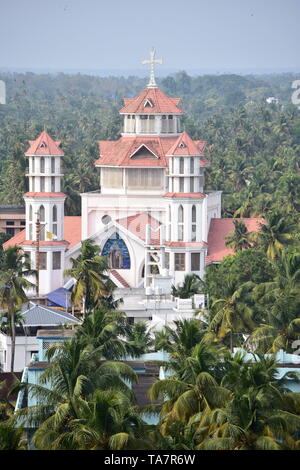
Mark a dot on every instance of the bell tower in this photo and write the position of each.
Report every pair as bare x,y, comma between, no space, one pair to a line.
44,204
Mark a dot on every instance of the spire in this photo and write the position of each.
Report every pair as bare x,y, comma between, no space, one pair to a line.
152,62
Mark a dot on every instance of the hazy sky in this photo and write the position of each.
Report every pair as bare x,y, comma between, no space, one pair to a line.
115,34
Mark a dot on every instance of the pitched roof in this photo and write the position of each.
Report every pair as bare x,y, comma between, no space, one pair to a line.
219,229
184,145
160,102
40,315
136,224
60,297
44,145
119,153
119,278
72,234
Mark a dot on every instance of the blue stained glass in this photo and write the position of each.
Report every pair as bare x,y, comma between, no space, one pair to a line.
116,251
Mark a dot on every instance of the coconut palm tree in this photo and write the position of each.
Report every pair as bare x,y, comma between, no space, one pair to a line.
232,313
261,415
276,233
181,340
191,285
103,330
11,437
138,339
89,271
15,268
240,238
74,372
106,421
280,300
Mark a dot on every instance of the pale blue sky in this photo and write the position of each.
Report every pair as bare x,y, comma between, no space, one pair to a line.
113,34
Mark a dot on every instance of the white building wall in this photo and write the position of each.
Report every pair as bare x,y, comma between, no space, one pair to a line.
25,346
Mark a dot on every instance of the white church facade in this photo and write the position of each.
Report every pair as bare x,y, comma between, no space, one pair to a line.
151,216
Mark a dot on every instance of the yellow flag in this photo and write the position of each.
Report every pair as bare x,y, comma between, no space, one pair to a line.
49,235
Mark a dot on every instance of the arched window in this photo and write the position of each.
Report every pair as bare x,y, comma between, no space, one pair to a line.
32,165
54,214
181,166
192,166
52,164
194,225
42,214
180,223
30,213
116,252
42,163
54,220
42,184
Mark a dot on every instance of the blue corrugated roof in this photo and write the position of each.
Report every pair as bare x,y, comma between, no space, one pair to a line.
40,315
60,297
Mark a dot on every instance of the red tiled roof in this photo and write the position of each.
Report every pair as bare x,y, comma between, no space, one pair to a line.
183,244
119,278
219,229
44,145
118,153
72,235
161,103
187,195
136,224
184,145
31,194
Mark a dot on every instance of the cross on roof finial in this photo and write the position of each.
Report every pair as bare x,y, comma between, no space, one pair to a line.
152,62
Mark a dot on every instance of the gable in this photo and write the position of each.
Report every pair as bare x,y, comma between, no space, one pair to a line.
143,152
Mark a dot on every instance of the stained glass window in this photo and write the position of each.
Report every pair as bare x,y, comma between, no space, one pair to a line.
116,252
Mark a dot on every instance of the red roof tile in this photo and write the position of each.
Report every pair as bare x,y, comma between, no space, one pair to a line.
136,224
72,235
219,229
31,194
161,103
44,145
187,195
119,278
184,145
119,153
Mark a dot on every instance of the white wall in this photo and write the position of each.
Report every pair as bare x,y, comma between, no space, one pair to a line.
24,347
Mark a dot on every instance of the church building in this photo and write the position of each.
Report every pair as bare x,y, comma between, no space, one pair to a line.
152,216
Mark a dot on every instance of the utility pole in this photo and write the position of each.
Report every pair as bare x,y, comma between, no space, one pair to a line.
37,255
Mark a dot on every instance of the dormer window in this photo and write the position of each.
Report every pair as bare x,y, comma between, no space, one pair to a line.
182,145
43,145
148,103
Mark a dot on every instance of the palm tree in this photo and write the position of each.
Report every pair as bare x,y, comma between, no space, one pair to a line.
191,390
180,341
89,271
280,300
138,339
191,285
261,415
11,437
240,238
275,234
103,330
75,372
106,421
231,314
13,285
